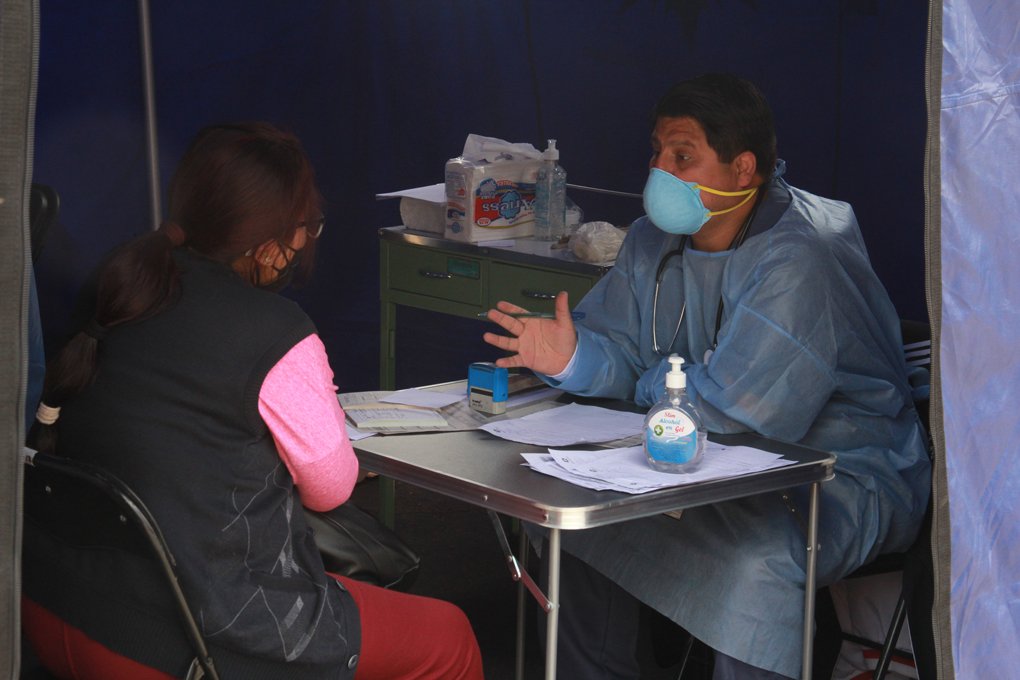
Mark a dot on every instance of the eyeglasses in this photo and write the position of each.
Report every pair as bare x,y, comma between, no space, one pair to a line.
314,229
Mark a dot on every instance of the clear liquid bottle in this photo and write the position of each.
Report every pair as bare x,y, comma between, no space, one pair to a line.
550,196
674,436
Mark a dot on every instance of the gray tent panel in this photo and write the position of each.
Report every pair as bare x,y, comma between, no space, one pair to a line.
19,31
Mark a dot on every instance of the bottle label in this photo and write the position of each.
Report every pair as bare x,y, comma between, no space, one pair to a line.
671,436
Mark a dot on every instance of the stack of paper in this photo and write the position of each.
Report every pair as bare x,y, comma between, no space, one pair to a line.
438,408
369,418
627,469
404,411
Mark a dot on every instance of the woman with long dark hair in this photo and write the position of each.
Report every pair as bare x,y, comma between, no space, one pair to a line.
212,397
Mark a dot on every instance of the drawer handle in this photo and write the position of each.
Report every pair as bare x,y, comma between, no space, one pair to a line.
434,275
538,295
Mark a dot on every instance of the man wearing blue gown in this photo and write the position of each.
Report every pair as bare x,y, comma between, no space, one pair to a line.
768,294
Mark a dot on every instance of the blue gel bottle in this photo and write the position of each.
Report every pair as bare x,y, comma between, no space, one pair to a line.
674,435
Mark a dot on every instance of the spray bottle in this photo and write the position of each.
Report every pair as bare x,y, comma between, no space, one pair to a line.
674,435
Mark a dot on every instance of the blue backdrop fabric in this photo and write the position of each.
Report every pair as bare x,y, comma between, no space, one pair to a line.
980,356
383,92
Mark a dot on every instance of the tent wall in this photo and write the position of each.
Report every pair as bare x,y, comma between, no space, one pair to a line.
18,41
940,534
976,301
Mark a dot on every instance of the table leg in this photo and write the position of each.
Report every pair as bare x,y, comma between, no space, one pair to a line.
522,550
519,573
387,345
809,586
387,378
553,610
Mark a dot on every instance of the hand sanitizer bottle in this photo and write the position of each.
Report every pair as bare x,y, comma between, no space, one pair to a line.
550,196
674,435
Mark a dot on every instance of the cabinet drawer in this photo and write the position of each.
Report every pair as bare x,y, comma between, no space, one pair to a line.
534,289
435,273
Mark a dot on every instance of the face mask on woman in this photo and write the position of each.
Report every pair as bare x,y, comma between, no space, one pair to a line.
284,273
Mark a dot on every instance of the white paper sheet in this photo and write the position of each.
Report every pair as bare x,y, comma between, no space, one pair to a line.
569,424
434,193
425,398
532,395
354,434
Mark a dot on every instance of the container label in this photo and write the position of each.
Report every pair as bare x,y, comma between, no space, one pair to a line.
671,436
501,203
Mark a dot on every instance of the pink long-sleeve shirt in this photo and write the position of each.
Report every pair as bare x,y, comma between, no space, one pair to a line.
299,405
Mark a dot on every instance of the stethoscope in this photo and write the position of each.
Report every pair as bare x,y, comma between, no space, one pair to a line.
676,252
679,252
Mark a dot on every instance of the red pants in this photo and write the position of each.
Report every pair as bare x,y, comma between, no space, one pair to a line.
402,637
408,636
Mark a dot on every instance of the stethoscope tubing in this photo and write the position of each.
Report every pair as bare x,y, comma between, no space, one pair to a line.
679,251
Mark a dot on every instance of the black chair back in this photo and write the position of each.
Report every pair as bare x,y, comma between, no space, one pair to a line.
84,506
43,208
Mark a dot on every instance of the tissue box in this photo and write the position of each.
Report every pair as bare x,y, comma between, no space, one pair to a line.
490,200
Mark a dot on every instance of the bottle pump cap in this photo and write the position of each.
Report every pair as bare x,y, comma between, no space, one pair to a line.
551,153
676,379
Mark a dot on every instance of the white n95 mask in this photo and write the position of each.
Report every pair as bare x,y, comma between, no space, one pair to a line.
675,206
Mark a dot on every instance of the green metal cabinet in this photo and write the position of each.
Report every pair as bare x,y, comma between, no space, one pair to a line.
464,279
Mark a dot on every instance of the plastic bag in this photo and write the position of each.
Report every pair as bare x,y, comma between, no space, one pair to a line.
597,242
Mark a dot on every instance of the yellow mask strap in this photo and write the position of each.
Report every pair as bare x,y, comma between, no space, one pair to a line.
749,193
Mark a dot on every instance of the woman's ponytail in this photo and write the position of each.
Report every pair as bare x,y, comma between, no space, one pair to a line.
139,280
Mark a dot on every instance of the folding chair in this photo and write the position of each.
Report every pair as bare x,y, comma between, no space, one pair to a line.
85,507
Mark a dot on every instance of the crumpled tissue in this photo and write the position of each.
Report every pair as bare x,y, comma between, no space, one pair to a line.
490,149
596,242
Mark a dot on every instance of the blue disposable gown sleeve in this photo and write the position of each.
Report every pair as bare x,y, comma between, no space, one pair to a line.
762,363
775,366
799,323
615,357
609,358
809,328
